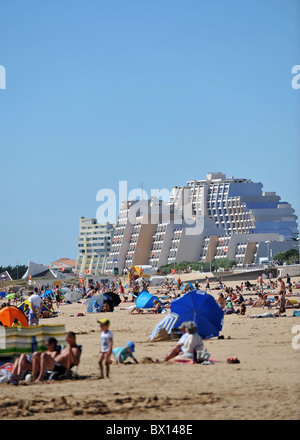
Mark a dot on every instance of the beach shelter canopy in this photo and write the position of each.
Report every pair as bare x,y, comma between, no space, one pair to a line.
22,306
168,322
48,293
201,308
73,296
90,301
145,300
8,314
187,286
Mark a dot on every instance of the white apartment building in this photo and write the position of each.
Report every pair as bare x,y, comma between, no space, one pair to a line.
132,239
218,217
94,244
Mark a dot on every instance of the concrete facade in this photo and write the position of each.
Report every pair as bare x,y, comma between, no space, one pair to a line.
218,217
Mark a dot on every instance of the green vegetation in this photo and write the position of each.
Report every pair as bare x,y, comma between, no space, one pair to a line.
16,272
287,256
199,265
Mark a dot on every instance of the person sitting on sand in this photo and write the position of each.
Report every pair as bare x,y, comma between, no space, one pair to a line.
259,301
241,310
221,301
96,307
192,344
177,348
26,311
62,362
275,302
157,307
120,354
239,299
105,306
229,309
16,323
26,364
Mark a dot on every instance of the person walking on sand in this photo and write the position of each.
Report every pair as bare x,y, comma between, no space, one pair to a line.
57,296
106,346
36,305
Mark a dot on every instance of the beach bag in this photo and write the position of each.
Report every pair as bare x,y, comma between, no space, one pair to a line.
4,375
201,356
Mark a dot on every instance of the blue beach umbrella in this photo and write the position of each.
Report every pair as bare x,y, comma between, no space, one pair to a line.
202,309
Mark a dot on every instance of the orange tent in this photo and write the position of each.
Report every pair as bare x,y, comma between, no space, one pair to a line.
9,313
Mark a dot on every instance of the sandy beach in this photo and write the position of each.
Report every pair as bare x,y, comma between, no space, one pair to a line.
263,386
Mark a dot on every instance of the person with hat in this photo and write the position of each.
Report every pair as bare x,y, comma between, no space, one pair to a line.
193,343
96,307
106,346
120,354
177,348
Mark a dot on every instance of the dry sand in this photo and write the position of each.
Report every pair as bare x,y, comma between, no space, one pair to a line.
263,386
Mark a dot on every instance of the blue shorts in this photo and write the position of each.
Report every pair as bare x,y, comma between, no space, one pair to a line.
32,317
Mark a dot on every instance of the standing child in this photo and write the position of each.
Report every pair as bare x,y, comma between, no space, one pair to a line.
106,346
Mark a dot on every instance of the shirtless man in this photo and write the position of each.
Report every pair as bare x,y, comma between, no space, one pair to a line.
282,288
68,357
28,364
260,282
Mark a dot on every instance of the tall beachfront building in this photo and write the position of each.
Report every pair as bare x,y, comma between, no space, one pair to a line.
94,245
218,217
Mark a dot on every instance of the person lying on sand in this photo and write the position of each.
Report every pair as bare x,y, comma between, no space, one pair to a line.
133,310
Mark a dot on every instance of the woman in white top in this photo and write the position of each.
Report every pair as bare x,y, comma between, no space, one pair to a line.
192,344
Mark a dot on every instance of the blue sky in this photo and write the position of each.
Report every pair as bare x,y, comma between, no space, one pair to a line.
155,92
